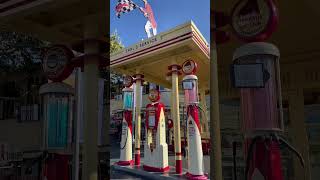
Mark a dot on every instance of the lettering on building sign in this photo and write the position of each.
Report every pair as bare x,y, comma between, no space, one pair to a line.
142,45
254,20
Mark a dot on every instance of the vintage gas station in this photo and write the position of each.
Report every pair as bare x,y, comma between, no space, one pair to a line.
161,60
286,74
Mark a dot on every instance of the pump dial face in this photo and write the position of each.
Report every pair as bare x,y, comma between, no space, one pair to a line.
154,95
189,67
127,81
57,63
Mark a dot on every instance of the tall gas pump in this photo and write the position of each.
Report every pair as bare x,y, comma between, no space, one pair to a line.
256,72
57,113
155,148
195,154
126,137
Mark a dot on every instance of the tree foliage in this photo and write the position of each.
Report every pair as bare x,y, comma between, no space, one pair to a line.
20,52
115,45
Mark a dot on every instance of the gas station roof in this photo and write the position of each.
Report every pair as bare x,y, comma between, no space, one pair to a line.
56,21
152,56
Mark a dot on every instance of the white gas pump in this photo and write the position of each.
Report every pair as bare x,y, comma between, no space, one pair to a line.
195,154
155,148
57,114
126,137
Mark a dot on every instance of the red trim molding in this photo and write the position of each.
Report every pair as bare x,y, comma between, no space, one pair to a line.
174,65
190,35
137,159
202,43
136,75
153,48
174,71
155,169
125,163
196,177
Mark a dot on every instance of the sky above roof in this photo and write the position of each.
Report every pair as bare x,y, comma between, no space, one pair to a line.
168,14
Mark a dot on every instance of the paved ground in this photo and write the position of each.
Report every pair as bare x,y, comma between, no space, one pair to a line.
121,175
115,147
115,154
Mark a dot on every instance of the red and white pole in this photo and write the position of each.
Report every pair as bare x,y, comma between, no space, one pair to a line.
174,72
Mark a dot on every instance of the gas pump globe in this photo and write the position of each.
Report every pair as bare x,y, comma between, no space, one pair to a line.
126,136
256,72
128,93
190,83
57,114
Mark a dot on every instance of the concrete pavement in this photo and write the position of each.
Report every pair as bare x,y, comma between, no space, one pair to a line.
139,172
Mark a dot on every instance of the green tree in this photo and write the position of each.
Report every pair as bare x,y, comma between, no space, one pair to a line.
115,43
20,52
116,79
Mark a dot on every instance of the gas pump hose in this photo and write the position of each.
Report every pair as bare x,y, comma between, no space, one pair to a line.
280,140
125,143
292,149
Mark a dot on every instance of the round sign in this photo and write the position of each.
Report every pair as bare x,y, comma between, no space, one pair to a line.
254,20
154,95
57,63
127,81
189,67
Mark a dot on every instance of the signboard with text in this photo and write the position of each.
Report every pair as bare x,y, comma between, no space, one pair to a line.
254,20
57,63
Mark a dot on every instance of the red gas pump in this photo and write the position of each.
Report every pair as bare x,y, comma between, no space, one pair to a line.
256,72
155,148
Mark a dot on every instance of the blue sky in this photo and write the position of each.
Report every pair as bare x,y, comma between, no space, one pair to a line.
168,14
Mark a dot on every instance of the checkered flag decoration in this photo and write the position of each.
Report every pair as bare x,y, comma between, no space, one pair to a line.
125,6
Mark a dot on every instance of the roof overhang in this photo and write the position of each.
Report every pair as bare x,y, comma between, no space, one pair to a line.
152,56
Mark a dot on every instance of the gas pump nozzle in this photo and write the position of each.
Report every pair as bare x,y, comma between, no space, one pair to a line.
270,138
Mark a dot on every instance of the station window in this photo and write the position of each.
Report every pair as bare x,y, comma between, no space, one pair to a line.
147,88
161,88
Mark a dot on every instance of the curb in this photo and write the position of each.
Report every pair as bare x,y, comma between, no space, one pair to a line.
143,174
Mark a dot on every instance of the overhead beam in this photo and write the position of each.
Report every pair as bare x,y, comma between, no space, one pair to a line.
42,32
